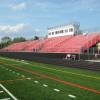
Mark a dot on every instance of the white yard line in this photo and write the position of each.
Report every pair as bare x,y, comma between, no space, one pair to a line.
29,78
1,91
45,85
71,96
36,81
6,99
10,70
13,72
57,90
6,68
10,94
22,75
18,73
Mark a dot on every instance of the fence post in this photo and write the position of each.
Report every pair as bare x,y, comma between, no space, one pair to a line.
88,53
79,56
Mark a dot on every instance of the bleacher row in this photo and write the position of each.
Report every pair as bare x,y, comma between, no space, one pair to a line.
66,44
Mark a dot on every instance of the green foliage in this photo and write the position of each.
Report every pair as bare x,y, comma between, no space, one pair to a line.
36,38
5,41
19,39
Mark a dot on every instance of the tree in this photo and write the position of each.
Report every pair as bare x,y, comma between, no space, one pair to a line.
36,38
6,39
19,39
80,31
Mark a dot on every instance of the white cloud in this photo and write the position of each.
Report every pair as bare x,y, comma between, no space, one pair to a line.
9,28
19,6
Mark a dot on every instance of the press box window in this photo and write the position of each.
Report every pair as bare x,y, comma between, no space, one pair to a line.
52,33
71,30
66,30
62,31
49,33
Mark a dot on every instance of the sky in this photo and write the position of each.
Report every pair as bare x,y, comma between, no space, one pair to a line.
32,17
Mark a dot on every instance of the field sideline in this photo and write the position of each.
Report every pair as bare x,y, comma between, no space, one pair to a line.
28,80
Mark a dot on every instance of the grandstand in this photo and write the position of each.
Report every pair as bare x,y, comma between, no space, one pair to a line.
59,67
61,39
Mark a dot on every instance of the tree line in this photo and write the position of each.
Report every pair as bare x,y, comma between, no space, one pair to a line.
5,41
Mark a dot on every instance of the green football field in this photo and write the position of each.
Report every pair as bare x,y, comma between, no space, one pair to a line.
27,80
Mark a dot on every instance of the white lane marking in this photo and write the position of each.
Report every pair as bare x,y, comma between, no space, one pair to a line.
13,72
29,78
5,99
36,81
25,63
22,60
56,90
1,91
6,68
45,85
17,73
72,96
22,75
10,94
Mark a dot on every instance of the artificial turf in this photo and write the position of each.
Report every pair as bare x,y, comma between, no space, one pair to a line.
28,90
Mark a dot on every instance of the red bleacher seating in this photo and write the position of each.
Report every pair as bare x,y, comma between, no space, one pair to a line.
15,47
51,43
68,44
